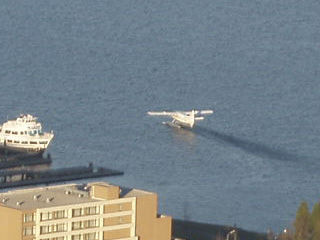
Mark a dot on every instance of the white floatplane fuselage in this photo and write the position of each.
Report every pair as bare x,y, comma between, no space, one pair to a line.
183,118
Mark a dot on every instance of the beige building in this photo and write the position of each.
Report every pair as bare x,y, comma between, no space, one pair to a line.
95,211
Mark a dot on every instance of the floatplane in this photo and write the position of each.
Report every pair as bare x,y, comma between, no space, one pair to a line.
183,118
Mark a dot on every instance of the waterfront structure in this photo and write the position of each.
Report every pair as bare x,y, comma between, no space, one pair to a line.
24,134
93,211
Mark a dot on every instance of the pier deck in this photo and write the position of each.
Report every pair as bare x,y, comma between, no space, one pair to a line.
16,178
23,162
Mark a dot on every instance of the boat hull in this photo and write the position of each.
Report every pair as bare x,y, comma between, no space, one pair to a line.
8,150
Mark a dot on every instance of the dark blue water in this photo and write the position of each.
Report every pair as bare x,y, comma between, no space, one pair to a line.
91,71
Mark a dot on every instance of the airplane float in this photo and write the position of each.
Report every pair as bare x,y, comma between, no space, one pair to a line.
183,118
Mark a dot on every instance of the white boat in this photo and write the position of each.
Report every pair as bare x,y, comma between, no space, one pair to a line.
24,134
183,118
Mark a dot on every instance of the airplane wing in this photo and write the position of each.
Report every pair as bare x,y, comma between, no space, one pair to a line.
196,112
163,113
199,112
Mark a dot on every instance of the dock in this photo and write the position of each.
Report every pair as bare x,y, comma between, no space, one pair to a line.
25,177
18,162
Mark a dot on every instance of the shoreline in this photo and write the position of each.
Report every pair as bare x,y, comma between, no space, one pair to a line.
190,230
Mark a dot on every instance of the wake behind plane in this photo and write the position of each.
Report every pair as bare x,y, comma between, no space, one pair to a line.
183,118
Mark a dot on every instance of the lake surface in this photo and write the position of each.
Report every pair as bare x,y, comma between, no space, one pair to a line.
91,71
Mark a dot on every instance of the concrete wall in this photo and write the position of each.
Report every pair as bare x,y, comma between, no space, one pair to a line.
10,223
117,220
105,192
116,234
148,225
146,211
163,228
120,224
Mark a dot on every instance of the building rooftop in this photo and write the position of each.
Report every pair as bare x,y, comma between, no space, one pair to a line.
136,192
44,197
59,195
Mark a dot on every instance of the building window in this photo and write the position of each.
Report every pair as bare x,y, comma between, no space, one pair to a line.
60,227
44,229
29,217
76,212
59,214
90,210
90,236
76,225
28,230
90,223
7,131
46,216
76,237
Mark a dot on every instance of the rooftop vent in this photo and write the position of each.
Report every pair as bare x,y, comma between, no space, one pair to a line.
19,203
49,200
81,195
36,197
4,200
67,192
